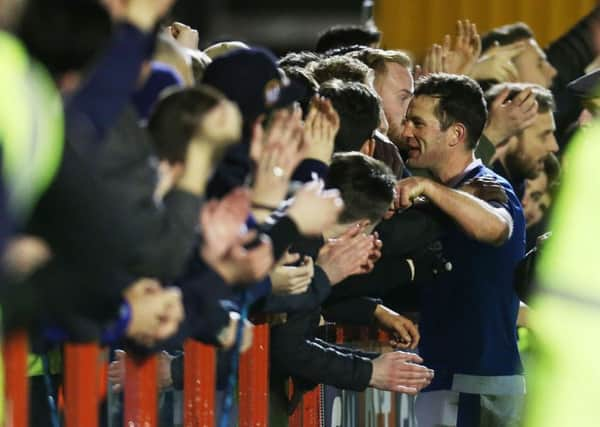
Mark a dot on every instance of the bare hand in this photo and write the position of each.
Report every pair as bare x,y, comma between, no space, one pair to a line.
400,372
460,58
185,35
496,63
320,129
222,223
292,280
485,188
346,255
409,189
229,333
405,333
242,265
312,199
156,312
509,117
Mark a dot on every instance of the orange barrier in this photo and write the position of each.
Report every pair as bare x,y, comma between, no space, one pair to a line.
82,384
141,392
199,385
254,381
15,348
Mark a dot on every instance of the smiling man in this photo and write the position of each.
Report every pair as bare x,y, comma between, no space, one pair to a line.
468,316
522,156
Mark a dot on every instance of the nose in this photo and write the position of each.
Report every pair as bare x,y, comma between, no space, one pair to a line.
407,129
551,72
553,146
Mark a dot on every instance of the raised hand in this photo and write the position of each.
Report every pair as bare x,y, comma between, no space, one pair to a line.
222,223
496,63
156,312
347,254
292,280
462,56
185,35
314,209
320,129
507,118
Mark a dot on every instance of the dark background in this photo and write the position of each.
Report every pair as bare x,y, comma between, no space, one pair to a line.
279,25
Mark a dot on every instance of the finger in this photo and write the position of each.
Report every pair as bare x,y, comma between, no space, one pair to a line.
406,390
290,258
512,74
409,357
501,98
530,108
476,44
447,45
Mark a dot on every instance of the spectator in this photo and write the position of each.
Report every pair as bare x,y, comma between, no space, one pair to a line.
522,155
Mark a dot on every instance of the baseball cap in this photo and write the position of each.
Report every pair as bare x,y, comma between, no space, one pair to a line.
250,78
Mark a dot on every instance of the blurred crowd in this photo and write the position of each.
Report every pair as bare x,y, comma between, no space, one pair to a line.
153,192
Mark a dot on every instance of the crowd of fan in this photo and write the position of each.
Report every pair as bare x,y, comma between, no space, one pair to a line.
154,192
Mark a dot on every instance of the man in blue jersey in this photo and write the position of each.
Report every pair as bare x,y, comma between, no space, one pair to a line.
469,315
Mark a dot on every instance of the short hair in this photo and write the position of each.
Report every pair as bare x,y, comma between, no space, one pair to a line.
367,186
359,109
543,96
64,35
303,77
298,59
176,120
347,35
339,67
460,100
506,34
343,50
377,58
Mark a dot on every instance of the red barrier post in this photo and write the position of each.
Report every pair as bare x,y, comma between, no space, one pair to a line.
81,384
15,349
199,385
141,388
254,381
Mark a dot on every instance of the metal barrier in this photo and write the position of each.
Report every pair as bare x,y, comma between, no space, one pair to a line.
15,348
85,379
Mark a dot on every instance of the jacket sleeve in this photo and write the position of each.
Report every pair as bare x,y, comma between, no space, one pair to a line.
297,354
354,311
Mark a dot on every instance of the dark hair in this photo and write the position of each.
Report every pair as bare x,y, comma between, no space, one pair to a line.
304,78
176,119
298,59
339,67
367,186
64,35
359,110
542,95
460,100
346,35
506,34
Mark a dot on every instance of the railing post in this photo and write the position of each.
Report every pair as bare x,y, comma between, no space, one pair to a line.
254,381
199,384
141,409
82,384
15,348
311,408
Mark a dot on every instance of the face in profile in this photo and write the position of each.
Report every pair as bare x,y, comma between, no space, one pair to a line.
532,147
395,87
536,199
533,66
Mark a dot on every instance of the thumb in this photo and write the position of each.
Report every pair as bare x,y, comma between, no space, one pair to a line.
289,258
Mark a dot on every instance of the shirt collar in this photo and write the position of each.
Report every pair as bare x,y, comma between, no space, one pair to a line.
454,182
